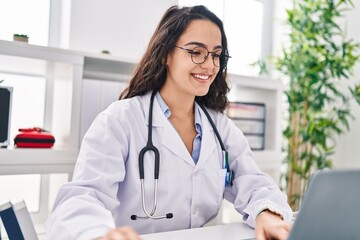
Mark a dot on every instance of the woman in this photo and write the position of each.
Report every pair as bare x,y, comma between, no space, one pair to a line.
181,78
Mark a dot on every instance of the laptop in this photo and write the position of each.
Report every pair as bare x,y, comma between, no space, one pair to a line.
330,208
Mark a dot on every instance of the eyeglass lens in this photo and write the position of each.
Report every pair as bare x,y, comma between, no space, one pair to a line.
200,54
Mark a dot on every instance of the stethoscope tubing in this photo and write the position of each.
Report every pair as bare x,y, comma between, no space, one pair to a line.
150,147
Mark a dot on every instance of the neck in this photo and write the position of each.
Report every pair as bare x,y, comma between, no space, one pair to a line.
179,104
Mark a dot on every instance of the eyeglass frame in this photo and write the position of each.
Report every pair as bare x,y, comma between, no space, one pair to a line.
190,51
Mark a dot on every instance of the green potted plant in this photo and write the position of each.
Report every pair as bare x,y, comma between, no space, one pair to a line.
21,37
315,64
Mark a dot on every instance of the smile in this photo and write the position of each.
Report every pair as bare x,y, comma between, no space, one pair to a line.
201,76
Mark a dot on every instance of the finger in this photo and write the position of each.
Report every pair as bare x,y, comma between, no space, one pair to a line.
259,234
288,226
115,235
281,232
129,233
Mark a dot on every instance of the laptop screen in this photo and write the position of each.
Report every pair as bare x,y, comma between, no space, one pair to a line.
330,208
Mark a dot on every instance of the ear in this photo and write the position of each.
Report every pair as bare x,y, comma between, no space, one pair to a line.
164,60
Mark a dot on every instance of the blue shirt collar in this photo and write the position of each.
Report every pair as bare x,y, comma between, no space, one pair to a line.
167,112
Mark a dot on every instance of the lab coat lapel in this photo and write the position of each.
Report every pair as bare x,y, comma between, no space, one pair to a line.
158,115
208,141
170,139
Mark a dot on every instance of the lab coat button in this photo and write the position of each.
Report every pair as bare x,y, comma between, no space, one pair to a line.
194,211
196,173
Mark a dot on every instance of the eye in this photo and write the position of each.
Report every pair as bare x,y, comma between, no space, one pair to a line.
216,55
195,52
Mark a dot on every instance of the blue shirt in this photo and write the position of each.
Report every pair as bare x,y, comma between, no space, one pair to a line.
198,127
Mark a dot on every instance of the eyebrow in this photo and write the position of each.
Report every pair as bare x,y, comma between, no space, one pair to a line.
202,45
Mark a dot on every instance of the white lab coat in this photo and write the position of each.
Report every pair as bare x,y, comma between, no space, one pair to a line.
105,190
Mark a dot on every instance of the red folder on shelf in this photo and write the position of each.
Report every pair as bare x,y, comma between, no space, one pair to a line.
34,138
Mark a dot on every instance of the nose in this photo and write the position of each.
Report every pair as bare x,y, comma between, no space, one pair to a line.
208,63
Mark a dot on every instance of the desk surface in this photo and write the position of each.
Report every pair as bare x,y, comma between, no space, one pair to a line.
234,231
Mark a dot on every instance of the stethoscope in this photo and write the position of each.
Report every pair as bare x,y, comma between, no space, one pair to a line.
150,147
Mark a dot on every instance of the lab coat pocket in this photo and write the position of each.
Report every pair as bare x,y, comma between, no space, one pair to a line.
221,176
220,194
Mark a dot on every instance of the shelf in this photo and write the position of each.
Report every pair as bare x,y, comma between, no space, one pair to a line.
255,82
103,67
37,160
25,50
31,60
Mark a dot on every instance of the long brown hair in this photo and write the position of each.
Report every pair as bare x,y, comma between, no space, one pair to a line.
150,73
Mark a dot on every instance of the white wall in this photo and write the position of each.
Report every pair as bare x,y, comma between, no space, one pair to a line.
122,27
347,152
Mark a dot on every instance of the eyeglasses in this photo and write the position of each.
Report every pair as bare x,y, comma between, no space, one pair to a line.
199,55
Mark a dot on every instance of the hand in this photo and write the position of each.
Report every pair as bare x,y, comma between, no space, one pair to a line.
121,233
271,226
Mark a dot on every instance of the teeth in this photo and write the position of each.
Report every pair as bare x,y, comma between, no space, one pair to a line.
204,77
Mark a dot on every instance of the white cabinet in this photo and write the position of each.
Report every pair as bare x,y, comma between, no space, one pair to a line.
104,78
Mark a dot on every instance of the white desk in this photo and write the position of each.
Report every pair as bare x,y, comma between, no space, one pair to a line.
234,231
